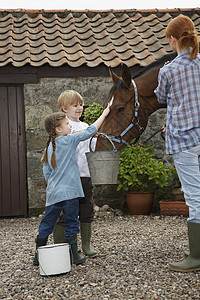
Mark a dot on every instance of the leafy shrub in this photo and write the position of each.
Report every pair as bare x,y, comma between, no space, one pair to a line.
139,171
92,113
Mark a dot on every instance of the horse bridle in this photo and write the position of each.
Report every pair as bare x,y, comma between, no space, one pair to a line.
135,121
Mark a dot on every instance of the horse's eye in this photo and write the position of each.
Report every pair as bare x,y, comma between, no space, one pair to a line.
121,109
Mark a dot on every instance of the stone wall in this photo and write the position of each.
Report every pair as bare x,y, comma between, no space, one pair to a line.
40,100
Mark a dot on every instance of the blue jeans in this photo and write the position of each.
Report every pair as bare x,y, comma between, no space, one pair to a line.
52,212
187,164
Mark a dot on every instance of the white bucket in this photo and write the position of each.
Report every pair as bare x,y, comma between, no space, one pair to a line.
54,259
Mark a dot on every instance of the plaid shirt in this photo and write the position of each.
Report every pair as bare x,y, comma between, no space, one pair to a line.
179,88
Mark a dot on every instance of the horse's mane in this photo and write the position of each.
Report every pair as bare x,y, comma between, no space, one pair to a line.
158,63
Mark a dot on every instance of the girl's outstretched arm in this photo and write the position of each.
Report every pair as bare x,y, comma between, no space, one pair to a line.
100,120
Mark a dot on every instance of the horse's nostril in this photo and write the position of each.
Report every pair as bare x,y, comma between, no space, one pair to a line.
121,109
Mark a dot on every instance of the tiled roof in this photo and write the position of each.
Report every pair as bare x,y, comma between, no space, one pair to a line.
86,37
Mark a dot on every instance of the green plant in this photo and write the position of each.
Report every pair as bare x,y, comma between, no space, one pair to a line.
175,179
139,171
92,113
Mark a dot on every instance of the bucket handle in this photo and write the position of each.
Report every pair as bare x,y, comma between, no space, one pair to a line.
104,135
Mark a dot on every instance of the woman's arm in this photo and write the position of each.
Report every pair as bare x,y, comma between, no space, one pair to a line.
163,88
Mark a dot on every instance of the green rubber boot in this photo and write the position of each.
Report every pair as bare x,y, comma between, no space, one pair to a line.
85,229
76,258
39,242
192,262
59,234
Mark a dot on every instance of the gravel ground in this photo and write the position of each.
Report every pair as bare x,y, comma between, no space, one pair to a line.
134,252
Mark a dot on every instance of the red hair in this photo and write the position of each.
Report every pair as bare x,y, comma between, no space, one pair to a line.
182,28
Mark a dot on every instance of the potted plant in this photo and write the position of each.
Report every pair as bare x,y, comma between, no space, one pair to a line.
140,175
175,204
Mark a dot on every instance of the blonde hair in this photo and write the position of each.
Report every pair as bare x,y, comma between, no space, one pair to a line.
182,28
51,122
69,97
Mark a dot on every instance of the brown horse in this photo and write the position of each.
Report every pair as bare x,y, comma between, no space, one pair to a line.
133,101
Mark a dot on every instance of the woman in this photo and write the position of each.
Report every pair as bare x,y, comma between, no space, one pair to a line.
179,88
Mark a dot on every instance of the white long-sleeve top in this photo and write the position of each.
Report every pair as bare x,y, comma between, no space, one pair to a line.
82,148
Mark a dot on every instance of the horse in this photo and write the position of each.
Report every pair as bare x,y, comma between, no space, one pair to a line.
132,101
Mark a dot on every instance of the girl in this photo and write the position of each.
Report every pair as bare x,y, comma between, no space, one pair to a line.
63,180
179,87
71,103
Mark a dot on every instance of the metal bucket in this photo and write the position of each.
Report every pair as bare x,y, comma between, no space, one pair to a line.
103,166
54,259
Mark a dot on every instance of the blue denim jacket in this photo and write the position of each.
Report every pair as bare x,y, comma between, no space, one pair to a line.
63,183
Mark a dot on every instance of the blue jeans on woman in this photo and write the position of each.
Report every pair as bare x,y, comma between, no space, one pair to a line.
187,164
52,212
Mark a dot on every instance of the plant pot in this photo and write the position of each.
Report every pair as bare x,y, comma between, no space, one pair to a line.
139,203
174,208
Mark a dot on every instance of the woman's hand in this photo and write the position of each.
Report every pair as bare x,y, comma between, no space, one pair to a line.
163,129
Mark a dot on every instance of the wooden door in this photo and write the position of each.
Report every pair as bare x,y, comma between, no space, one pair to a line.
13,187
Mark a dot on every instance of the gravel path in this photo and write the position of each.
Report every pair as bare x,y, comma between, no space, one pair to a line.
134,252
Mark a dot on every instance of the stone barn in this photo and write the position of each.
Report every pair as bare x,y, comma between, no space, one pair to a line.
43,53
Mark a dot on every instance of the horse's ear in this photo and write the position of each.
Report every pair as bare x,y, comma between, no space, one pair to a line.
114,77
126,75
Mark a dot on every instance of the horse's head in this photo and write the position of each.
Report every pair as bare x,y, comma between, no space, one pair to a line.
122,112
123,97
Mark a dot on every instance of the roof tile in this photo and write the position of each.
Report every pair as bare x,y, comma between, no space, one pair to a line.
86,37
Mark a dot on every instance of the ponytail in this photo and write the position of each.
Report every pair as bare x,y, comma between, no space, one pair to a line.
182,28
189,40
